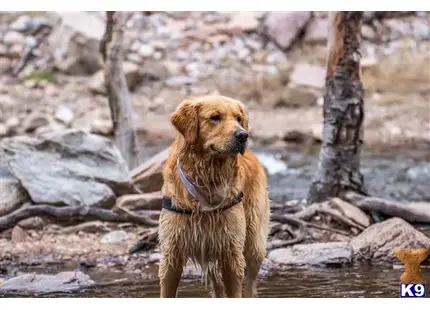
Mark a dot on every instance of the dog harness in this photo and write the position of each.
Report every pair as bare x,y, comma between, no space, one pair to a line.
168,204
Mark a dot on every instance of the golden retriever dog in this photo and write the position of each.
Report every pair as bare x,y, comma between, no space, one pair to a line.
215,199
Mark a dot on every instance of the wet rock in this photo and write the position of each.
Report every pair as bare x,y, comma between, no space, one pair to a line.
40,283
148,176
117,236
317,31
132,76
64,115
330,253
309,75
285,27
73,168
12,194
377,243
148,201
350,211
76,42
13,37
18,234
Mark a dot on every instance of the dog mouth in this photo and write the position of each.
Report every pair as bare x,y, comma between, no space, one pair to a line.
232,149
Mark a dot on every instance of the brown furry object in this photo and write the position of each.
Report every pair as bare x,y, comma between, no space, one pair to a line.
211,148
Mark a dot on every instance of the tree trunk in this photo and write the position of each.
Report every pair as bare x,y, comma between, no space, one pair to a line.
339,159
117,89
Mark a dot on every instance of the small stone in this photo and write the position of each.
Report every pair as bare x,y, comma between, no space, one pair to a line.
243,53
31,223
157,55
13,37
34,120
145,50
18,234
309,75
64,115
117,236
12,123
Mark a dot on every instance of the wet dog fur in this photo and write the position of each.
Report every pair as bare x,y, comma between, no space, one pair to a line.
211,146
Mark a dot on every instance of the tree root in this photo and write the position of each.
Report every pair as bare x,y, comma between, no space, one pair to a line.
65,213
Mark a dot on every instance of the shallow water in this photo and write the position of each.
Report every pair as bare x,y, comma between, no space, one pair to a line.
302,283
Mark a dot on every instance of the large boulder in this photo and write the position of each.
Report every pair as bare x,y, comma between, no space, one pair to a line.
75,40
41,283
72,168
285,27
378,242
315,254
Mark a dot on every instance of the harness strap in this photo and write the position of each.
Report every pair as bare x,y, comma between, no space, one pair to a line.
169,205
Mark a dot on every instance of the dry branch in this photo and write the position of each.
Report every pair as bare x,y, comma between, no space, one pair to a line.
66,213
117,89
410,213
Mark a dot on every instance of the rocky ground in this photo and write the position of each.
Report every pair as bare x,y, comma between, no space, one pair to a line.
273,62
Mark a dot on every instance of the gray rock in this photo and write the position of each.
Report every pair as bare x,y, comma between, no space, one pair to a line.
76,42
244,21
284,27
309,75
25,23
377,243
12,194
313,254
72,168
117,236
40,283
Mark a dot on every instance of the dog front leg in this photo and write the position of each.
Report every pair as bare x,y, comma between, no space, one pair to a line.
232,274
170,272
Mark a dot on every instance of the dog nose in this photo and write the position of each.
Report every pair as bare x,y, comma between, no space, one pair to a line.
241,135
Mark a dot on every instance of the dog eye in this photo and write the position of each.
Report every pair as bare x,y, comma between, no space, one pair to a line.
239,119
215,118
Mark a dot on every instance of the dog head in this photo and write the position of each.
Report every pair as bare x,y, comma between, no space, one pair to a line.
216,124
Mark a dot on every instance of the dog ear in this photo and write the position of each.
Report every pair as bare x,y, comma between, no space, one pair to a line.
245,116
186,120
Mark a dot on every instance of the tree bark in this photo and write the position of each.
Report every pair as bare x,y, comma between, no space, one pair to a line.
117,89
339,159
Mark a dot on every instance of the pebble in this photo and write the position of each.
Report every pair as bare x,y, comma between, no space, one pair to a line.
64,115
117,236
146,50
